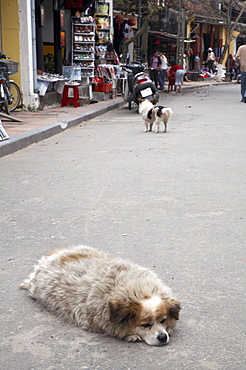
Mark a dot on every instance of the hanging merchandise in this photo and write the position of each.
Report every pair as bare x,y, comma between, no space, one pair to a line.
102,8
119,36
105,80
132,22
119,18
106,70
128,31
111,56
102,19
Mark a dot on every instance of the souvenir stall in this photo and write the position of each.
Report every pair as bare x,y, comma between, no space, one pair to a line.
91,37
82,55
104,82
87,56
71,36
110,35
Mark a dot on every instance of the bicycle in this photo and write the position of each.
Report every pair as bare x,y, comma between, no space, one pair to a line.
10,94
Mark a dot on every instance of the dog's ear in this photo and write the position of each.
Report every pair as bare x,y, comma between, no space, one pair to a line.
141,100
173,309
122,312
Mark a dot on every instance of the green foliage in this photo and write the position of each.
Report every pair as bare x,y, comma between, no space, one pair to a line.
132,6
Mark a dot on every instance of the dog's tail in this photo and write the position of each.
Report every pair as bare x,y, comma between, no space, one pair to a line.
167,112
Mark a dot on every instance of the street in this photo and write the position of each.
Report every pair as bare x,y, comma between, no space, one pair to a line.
174,203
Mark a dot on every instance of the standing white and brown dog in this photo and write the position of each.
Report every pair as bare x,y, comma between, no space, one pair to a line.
104,294
162,114
154,114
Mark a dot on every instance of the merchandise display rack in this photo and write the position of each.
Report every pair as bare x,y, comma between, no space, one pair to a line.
83,35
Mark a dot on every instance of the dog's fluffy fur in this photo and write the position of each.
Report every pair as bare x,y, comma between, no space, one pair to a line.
104,294
146,109
162,114
151,114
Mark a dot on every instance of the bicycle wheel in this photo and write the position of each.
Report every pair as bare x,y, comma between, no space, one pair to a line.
15,96
4,103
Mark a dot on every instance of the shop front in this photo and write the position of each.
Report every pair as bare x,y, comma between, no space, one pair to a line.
73,40
164,42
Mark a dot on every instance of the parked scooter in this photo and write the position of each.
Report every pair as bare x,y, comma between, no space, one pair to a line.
138,85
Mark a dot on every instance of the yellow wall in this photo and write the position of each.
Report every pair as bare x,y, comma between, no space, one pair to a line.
232,44
232,50
10,32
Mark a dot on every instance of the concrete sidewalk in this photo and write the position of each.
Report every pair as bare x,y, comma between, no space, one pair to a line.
37,126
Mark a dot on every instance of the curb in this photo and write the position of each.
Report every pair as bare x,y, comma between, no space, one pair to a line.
21,141
208,84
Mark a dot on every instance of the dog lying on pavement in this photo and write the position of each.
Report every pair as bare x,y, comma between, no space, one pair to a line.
104,294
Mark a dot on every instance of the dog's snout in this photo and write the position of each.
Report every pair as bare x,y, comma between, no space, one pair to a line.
162,338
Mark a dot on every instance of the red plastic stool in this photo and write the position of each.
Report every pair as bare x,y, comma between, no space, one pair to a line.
66,100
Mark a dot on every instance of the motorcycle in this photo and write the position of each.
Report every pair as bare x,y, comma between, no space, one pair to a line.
138,85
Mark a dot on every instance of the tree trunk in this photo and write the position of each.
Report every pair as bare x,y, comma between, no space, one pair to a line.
229,31
142,31
144,43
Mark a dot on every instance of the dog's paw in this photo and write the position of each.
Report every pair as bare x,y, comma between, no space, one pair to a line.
133,338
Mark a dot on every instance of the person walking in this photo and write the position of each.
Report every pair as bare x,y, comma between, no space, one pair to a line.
155,63
163,71
241,58
210,60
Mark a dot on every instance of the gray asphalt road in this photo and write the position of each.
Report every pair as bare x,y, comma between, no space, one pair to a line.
173,202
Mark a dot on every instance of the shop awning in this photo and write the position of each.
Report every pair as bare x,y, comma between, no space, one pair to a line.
164,35
170,36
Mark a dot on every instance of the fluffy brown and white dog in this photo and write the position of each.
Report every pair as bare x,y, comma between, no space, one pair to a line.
104,294
146,109
162,114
